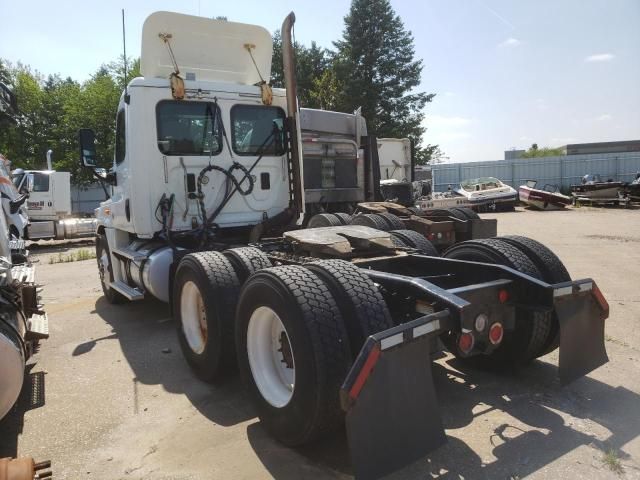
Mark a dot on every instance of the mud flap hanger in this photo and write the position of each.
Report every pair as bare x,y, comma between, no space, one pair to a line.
395,420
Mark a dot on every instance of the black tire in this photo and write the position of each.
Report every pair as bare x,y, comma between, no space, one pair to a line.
552,270
102,247
393,221
362,307
455,213
530,335
370,220
324,220
417,241
470,214
319,346
218,287
344,218
437,212
398,242
246,261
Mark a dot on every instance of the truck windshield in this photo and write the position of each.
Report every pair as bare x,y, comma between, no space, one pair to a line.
188,128
252,126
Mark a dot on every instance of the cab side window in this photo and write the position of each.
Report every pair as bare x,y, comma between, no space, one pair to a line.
40,182
121,139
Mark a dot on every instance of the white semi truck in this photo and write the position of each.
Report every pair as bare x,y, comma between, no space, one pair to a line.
328,326
49,205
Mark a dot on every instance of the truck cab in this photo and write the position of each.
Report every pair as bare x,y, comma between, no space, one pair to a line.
191,149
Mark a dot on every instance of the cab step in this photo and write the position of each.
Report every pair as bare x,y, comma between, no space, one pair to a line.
38,327
129,292
129,254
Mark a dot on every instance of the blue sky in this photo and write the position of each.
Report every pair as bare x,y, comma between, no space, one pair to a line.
506,73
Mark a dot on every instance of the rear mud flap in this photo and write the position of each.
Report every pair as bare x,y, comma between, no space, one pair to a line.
581,316
392,413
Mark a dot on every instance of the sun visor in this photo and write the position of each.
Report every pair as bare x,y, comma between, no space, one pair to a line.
205,49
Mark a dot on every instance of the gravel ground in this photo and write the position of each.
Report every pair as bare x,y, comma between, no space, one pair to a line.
122,403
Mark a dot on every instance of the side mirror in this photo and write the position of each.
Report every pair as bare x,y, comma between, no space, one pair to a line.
28,184
88,155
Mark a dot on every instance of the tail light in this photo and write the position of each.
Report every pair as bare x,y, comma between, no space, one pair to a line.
496,332
465,342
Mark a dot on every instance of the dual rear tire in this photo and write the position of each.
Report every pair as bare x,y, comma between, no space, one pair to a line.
292,331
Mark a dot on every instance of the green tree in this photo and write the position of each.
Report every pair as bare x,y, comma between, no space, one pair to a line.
535,152
376,69
311,64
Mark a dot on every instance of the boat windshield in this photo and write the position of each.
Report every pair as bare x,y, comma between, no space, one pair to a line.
591,179
551,188
482,183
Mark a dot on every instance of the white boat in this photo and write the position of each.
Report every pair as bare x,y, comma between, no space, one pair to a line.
488,193
545,198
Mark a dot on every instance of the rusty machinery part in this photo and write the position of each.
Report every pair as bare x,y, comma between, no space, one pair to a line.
24,468
324,220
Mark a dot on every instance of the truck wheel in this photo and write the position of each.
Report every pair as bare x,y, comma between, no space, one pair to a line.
393,221
293,352
370,220
105,270
360,302
455,213
417,241
324,220
205,295
437,212
530,335
246,261
552,270
344,218
467,212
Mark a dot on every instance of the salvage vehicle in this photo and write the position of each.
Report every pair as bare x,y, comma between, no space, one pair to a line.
328,326
594,190
49,205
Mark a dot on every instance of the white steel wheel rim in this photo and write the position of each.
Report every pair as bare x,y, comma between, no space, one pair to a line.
194,317
272,366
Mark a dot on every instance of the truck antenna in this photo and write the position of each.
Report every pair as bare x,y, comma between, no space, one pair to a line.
124,49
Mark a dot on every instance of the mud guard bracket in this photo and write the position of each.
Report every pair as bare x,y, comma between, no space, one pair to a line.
392,413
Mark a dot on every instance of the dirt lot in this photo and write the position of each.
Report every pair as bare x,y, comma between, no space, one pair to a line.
121,402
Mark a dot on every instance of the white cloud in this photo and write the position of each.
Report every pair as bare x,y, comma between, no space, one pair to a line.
449,94
600,57
510,43
605,117
446,122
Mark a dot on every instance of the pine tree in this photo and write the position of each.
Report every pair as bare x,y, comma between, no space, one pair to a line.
376,69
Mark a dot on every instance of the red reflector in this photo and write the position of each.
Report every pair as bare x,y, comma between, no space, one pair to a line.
496,332
372,359
503,296
430,236
465,342
604,305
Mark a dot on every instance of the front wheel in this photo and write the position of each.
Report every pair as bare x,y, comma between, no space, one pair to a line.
105,270
293,352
